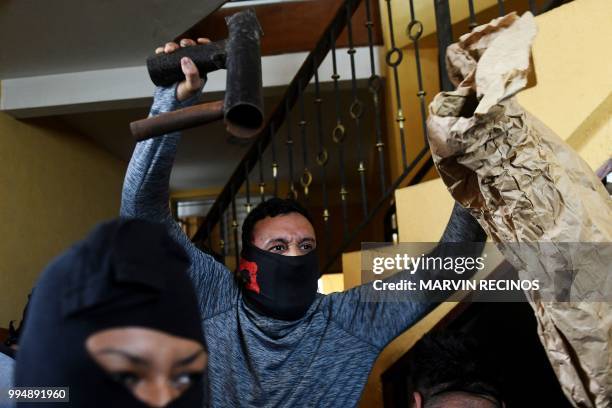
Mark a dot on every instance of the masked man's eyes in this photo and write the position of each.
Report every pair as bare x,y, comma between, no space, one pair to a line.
304,247
278,248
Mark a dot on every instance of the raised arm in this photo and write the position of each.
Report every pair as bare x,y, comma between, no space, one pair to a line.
380,322
146,191
462,227
146,186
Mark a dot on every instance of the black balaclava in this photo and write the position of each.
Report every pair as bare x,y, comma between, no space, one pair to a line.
125,273
278,286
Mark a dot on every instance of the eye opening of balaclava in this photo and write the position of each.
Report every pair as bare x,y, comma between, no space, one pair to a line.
278,286
126,273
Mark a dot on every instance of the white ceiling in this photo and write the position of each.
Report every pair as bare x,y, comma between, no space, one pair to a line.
43,38
40,37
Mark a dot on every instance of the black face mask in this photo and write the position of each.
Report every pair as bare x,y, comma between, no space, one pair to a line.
126,273
278,286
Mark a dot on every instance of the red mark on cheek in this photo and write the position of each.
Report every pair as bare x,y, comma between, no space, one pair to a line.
251,268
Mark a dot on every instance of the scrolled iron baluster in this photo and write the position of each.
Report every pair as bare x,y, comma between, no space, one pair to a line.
415,27
339,136
500,7
532,7
414,32
306,181
209,238
322,158
356,111
293,193
235,228
473,24
274,162
247,205
306,178
394,57
338,133
223,236
374,86
262,183
393,62
289,142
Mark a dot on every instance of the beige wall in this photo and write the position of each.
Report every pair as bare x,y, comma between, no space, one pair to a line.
331,282
573,67
54,187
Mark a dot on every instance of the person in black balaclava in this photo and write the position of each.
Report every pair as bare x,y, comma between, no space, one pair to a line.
115,319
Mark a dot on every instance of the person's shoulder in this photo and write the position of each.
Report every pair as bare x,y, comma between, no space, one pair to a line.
321,304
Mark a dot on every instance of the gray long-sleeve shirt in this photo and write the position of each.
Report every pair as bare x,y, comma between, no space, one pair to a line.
320,360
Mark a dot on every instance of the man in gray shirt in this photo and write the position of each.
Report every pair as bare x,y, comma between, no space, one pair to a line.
273,343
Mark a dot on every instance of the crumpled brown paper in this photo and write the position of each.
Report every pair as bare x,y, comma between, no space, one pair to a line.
525,185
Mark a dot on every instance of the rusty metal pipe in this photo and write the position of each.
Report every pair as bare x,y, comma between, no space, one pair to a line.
240,55
179,119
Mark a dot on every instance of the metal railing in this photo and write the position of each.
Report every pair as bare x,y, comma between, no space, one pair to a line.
301,158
